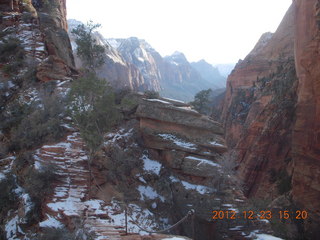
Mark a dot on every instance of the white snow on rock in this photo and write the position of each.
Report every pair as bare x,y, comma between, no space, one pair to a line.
51,222
174,238
151,165
27,203
189,186
157,100
149,193
203,161
263,236
178,142
214,143
174,100
236,228
189,109
12,228
114,137
2,176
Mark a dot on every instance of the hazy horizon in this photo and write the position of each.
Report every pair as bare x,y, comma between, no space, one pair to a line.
221,32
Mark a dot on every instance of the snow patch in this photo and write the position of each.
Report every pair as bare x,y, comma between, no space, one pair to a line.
2,176
51,222
12,228
189,186
263,236
214,143
157,100
178,142
174,238
149,193
151,165
203,161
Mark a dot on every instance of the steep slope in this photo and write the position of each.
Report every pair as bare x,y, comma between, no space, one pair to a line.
145,58
259,109
306,137
116,70
271,116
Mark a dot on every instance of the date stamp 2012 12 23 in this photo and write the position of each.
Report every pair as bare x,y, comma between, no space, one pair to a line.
265,214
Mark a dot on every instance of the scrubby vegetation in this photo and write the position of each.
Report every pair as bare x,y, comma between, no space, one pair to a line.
150,94
11,55
91,54
38,124
38,183
8,198
92,105
201,102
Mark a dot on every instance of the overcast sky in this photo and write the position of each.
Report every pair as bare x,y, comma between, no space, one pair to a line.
219,31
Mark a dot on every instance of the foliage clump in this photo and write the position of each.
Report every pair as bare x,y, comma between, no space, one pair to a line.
150,94
202,103
38,125
38,183
91,53
11,55
92,105
8,198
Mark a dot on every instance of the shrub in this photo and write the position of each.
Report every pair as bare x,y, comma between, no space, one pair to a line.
150,94
41,125
202,102
92,105
8,198
12,55
284,182
24,159
56,234
91,54
39,185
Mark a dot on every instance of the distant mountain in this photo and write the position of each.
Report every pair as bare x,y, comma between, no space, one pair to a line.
210,73
177,78
118,72
133,63
225,69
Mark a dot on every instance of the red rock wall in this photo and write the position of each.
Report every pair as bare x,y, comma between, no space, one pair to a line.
259,110
272,112
306,135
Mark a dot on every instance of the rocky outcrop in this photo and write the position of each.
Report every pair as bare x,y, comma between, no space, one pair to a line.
140,54
42,28
190,147
306,131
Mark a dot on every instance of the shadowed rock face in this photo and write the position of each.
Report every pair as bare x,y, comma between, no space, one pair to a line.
271,112
259,108
306,134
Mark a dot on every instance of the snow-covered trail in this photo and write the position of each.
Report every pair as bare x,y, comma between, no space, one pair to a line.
70,199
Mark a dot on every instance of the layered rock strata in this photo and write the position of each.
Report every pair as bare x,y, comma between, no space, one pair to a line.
306,131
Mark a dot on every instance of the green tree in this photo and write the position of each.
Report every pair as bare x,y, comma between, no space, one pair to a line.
92,108
202,102
91,54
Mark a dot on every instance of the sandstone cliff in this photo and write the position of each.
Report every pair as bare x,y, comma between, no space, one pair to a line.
306,135
271,115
